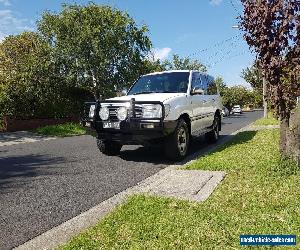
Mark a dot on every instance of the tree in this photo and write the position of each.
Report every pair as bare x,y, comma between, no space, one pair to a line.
253,76
98,48
184,63
220,85
150,66
272,30
30,83
236,95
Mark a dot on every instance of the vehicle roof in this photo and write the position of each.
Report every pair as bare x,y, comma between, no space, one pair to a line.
176,70
167,71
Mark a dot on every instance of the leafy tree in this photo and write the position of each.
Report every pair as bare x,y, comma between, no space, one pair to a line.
184,63
253,76
272,30
30,83
236,95
150,66
220,85
97,47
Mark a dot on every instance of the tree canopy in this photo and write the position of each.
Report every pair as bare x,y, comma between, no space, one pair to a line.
30,83
98,47
272,30
253,76
183,63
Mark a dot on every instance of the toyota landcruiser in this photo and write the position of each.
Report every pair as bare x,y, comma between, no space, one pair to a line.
167,108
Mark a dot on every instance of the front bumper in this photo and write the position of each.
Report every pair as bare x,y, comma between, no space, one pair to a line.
135,131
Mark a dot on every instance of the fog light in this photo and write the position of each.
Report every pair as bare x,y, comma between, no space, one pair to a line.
148,125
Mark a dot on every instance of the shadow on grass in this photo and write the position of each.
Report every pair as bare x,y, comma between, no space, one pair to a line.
198,147
223,143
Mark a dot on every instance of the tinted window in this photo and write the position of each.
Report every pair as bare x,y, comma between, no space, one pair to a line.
196,80
173,82
211,86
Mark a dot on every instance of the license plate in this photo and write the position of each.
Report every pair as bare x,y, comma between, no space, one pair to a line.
115,125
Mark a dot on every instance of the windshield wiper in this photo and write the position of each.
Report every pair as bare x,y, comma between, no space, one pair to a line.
144,92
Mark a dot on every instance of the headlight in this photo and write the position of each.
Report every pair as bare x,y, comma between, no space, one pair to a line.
122,113
152,111
92,111
104,113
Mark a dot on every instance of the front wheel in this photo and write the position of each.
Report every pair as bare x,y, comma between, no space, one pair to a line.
109,147
177,144
213,135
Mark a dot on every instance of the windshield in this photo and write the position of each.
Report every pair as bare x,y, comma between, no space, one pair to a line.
173,82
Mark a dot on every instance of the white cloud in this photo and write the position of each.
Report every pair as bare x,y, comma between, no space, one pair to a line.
10,24
5,2
215,2
160,54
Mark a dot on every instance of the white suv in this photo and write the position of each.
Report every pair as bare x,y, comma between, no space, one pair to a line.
166,107
236,109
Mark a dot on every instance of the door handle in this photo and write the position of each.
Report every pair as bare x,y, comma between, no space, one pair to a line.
213,100
204,101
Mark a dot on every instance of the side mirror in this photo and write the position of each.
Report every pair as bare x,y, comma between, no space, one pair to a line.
197,91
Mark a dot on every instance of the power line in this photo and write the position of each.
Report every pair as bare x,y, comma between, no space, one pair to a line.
213,46
234,7
225,58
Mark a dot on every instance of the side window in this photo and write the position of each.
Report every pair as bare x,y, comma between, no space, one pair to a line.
204,83
196,80
208,84
211,87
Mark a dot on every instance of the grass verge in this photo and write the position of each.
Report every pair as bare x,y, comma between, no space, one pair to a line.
67,129
266,121
256,197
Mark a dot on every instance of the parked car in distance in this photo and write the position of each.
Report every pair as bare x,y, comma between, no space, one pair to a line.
166,108
225,112
236,109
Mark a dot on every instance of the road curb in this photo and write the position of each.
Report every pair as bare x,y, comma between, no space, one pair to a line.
64,232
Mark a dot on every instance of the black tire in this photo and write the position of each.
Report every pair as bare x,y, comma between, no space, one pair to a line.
177,144
213,135
109,147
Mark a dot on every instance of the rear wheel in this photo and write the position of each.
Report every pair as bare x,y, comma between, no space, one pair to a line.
177,144
109,147
213,135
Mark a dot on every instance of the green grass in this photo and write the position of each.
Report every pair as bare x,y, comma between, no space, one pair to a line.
256,197
267,121
67,129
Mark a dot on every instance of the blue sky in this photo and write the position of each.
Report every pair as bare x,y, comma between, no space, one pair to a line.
201,29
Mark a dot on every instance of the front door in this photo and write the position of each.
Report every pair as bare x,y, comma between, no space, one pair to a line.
200,104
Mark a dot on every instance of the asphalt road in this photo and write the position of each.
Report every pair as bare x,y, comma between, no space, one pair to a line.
43,184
